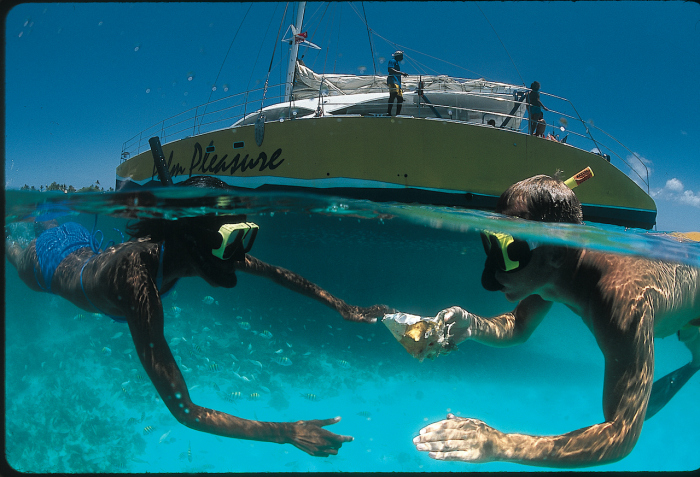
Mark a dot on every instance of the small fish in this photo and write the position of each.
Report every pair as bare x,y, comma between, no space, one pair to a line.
106,351
124,390
365,414
256,363
216,388
213,367
140,378
148,429
254,397
196,348
266,334
265,389
282,361
189,451
244,324
307,353
132,420
310,397
343,364
206,328
163,437
279,351
360,337
288,345
116,336
175,310
208,300
80,317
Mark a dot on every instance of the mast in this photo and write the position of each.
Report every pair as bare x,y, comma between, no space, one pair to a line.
291,67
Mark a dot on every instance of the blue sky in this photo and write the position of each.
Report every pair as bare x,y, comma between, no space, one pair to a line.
83,78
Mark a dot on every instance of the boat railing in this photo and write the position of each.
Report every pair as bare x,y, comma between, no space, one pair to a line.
224,112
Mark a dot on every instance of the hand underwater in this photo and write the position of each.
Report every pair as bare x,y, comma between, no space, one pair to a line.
458,323
459,438
310,437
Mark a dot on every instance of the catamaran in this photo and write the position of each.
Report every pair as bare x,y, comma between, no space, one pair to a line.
457,142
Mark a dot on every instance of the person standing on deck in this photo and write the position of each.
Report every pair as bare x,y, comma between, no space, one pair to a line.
535,107
394,82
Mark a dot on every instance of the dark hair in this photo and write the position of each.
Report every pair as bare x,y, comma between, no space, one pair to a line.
535,85
160,229
543,198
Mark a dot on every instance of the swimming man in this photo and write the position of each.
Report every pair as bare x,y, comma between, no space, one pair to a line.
625,301
127,281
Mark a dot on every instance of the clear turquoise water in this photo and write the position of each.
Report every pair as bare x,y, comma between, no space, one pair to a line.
68,406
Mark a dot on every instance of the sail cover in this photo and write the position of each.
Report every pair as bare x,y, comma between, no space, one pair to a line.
308,84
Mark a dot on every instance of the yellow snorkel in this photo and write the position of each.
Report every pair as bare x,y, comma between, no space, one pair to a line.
577,179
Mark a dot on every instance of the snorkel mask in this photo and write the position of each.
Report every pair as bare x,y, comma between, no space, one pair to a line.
505,252
234,240
509,254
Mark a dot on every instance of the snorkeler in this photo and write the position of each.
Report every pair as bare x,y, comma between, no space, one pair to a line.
625,301
127,281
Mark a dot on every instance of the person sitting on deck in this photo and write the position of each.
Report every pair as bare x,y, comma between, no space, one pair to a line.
128,280
626,301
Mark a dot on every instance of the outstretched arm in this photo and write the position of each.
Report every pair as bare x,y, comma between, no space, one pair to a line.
146,325
299,284
629,368
502,330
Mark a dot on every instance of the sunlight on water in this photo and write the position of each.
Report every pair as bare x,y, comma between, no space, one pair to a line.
78,400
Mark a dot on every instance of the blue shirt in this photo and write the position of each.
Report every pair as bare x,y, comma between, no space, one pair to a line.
395,65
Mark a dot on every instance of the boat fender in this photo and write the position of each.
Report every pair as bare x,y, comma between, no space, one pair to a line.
260,129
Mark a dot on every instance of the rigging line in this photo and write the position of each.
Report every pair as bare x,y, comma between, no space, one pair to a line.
337,41
397,46
371,49
267,80
320,22
252,72
222,65
499,39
